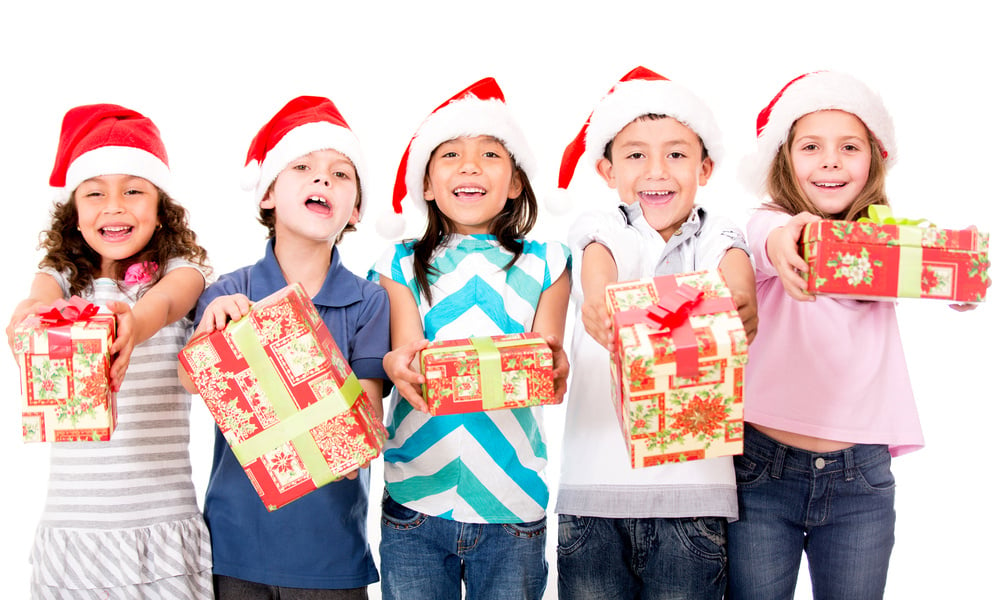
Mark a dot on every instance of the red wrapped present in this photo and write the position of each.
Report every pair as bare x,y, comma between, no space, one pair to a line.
677,367
293,412
882,258
487,373
64,355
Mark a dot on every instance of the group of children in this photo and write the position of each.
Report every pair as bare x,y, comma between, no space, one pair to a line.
465,498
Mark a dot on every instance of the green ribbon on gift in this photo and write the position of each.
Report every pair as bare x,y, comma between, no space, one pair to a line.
911,252
490,379
294,424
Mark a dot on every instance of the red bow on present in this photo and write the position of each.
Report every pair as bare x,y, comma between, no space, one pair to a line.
59,318
673,311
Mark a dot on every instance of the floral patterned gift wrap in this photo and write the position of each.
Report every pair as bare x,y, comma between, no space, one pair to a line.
881,258
487,373
293,412
677,367
64,355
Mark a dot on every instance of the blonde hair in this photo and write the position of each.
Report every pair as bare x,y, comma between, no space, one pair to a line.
787,195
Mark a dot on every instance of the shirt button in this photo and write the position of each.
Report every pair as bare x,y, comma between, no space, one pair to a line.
820,463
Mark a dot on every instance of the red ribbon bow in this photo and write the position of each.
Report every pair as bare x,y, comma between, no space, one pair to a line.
59,318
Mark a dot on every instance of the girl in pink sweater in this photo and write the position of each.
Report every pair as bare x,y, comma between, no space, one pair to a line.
828,397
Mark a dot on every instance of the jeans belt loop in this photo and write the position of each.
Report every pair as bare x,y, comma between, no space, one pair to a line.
849,469
779,462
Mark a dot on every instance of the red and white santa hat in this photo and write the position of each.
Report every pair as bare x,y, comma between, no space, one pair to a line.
306,124
640,92
107,139
808,93
479,109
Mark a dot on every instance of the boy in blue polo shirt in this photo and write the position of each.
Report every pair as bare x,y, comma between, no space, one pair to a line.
304,165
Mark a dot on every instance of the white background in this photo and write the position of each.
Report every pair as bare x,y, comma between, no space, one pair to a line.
210,74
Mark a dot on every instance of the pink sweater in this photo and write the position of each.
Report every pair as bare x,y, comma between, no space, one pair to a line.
832,369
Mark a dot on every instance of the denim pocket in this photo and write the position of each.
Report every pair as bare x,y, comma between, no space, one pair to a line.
748,471
704,536
526,530
397,516
878,477
573,532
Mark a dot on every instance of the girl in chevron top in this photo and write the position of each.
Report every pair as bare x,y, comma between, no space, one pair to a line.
121,519
465,496
825,411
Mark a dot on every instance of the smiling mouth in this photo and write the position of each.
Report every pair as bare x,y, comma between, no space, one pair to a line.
115,232
657,196
469,192
829,185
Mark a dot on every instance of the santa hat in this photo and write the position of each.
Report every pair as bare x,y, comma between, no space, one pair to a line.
306,124
821,90
640,92
479,109
107,139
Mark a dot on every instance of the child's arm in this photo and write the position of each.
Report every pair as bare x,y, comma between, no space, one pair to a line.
550,321
168,300
373,389
782,250
738,273
597,270
44,291
406,332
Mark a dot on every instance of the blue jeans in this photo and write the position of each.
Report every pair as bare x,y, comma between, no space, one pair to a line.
428,558
836,506
601,559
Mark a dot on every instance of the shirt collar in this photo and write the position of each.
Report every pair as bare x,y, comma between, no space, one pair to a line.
341,287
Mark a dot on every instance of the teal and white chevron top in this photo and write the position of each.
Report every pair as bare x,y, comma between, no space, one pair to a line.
478,467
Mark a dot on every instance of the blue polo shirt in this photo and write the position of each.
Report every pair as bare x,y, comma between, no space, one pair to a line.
319,541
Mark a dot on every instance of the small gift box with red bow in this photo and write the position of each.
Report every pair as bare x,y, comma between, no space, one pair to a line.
487,373
64,355
677,368
882,258
293,412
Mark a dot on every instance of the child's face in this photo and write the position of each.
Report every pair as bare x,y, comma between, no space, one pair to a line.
471,179
314,197
658,163
117,216
831,157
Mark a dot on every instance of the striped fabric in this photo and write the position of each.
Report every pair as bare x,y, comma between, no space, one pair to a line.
480,467
121,518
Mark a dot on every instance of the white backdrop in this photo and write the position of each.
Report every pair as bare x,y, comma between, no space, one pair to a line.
210,74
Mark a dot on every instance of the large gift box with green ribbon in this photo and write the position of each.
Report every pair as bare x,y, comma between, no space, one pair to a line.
881,257
293,412
677,367
64,355
487,373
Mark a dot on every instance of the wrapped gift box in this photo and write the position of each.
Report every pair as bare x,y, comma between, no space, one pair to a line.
487,373
677,368
293,412
64,355
884,258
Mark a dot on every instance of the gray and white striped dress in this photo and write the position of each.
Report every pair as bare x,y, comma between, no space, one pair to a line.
121,519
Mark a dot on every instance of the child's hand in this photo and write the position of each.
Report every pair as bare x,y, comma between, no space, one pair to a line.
222,310
121,349
747,308
560,365
400,366
597,322
26,307
783,252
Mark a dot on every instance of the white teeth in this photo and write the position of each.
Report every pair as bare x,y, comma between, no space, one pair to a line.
469,190
828,184
316,199
118,229
657,193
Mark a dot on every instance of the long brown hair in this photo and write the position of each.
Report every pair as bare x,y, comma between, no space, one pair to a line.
510,227
787,195
66,251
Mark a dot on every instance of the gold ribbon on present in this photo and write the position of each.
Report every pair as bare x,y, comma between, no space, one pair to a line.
910,242
294,424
